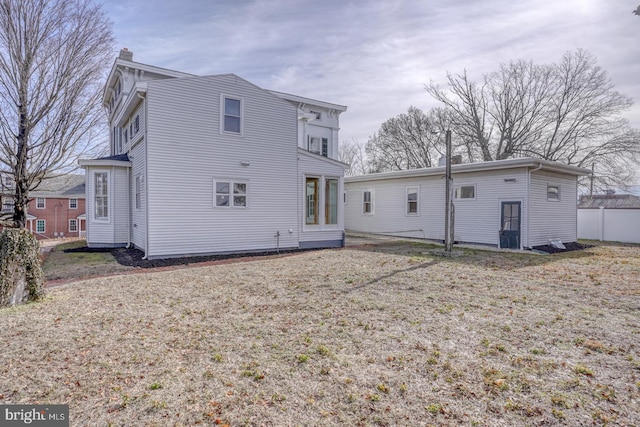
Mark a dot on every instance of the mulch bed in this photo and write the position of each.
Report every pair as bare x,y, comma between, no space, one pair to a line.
572,246
132,257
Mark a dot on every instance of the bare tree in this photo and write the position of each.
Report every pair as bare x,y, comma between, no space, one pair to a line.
53,55
408,141
567,112
352,153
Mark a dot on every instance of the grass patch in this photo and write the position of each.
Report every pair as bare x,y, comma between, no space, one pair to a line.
285,341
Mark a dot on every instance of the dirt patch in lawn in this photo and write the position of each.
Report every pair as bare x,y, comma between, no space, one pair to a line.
376,335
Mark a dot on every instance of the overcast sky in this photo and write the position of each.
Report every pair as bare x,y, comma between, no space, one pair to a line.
375,56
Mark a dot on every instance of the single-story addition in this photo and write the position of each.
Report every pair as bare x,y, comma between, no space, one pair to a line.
214,164
514,203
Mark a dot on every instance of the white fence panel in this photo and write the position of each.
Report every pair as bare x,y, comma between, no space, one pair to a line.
613,225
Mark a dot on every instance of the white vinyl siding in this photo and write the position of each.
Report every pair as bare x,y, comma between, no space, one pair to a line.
111,230
138,215
477,222
553,219
182,216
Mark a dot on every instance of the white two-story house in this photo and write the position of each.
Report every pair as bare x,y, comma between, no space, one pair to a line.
213,164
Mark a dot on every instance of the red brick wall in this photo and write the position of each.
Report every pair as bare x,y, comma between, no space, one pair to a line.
56,215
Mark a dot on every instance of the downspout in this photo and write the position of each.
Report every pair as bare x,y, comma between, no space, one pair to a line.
528,202
146,176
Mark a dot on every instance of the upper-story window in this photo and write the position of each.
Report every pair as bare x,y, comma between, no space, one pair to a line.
553,193
136,124
232,115
40,203
73,203
318,145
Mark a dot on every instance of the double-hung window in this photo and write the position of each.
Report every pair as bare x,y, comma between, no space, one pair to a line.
73,203
101,190
229,193
73,225
367,202
412,200
41,226
40,203
232,115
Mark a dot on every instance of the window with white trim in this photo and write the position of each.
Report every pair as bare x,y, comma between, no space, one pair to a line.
232,115
312,201
41,226
136,124
73,203
40,203
331,201
553,193
467,192
367,202
138,190
73,225
101,190
230,193
318,145
7,204
412,201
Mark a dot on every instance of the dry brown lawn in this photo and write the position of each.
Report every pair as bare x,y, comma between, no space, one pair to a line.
377,335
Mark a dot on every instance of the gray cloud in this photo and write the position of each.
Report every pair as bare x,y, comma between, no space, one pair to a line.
375,56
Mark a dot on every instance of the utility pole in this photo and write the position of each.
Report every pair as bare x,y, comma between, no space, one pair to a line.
593,166
448,209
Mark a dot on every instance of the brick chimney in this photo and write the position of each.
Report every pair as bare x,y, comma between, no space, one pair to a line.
126,54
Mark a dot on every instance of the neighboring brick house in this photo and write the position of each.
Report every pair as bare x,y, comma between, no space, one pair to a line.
56,208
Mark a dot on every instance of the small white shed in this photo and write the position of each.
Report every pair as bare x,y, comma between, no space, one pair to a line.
513,203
